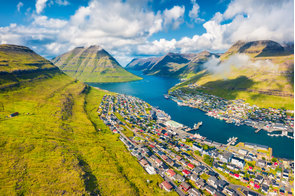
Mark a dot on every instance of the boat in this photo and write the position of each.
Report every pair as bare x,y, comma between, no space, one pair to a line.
166,96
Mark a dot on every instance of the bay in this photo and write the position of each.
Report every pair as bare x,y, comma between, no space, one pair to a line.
151,90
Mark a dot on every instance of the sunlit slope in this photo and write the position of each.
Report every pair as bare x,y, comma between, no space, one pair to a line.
57,145
93,64
267,80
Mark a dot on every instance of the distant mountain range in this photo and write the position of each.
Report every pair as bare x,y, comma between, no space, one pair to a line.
93,64
260,72
171,64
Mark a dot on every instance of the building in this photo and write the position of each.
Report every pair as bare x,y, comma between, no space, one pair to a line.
166,186
185,186
238,162
225,157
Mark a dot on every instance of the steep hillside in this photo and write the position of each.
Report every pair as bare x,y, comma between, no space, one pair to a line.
52,141
261,72
171,64
92,64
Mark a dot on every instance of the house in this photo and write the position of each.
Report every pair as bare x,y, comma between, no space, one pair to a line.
245,180
196,146
259,179
191,166
200,183
159,162
186,172
185,186
210,189
194,192
194,177
264,188
243,152
150,170
178,178
238,162
212,181
199,169
225,157
261,163
171,172
143,162
221,183
229,191
166,186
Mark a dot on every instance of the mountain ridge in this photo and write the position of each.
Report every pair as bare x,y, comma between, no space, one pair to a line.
93,64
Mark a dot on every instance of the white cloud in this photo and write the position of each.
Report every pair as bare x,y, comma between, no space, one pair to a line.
19,6
194,12
125,27
62,2
215,66
174,16
40,6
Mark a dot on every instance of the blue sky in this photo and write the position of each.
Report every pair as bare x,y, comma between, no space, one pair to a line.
136,28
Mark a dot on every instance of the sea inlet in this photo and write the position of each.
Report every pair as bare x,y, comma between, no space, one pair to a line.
152,88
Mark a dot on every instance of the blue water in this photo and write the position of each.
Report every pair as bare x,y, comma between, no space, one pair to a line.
151,90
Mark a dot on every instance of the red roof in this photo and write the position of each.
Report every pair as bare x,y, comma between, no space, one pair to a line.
186,172
250,167
256,186
190,165
167,185
237,175
171,172
152,146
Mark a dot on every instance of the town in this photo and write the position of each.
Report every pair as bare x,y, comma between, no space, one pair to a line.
190,164
277,122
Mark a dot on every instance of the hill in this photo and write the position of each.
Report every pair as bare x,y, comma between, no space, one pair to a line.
52,141
260,72
171,64
93,64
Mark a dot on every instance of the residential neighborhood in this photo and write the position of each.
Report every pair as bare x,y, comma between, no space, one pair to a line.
277,122
190,164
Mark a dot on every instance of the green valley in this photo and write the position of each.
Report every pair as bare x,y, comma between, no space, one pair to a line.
55,143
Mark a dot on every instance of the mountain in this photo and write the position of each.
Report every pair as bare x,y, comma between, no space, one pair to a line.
52,141
260,72
93,64
171,64
19,64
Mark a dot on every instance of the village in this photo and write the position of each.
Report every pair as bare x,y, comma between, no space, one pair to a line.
277,122
190,164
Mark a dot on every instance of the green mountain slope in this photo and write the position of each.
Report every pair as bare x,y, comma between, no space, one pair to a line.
93,64
57,145
266,80
171,64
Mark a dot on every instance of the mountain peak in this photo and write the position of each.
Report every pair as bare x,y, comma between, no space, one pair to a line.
92,64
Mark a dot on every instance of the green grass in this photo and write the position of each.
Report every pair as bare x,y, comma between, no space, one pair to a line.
54,147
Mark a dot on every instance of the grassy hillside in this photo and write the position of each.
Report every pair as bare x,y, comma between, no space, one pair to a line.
93,64
267,85
57,145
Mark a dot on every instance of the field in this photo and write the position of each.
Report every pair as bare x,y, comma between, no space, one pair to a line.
58,145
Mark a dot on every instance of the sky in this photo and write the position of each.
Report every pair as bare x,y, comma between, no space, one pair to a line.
130,29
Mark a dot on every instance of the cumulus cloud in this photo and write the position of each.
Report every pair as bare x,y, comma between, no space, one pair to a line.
40,5
174,16
194,12
242,20
125,27
19,6
215,66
